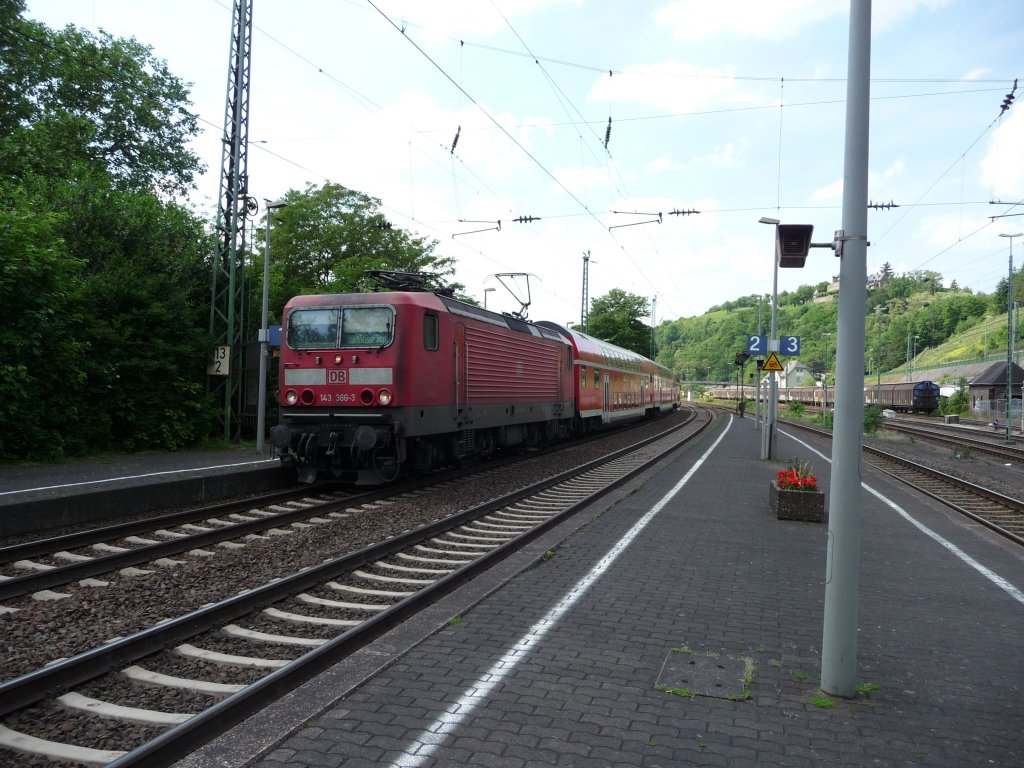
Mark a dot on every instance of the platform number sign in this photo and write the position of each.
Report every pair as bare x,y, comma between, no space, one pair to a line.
220,361
789,345
759,345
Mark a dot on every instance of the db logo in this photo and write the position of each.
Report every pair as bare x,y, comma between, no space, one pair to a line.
337,376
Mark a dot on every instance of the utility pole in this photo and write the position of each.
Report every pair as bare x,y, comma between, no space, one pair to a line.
654,310
585,307
224,380
842,568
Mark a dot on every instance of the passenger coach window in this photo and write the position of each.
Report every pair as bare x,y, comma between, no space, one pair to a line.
430,331
366,326
583,376
597,379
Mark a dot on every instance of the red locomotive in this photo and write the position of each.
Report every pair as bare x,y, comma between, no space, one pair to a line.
376,383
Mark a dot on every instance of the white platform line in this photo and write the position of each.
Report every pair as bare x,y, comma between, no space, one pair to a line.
989,574
137,477
430,739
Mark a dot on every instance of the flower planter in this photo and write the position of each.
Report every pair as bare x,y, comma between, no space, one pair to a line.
786,504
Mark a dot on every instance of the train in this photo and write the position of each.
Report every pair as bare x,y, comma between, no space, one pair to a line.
907,397
377,385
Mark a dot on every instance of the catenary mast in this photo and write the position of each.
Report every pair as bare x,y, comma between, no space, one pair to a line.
226,328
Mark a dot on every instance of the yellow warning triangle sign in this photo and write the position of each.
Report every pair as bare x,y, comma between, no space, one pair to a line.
772,363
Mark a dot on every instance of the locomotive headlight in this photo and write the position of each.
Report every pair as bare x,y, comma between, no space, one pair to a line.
291,397
338,359
384,396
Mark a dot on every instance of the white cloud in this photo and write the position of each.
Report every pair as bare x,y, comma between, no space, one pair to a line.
731,155
701,20
664,163
1002,168
778,20
669,85
453,18
828,194
878,184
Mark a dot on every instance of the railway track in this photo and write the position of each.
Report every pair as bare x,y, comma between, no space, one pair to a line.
998,512
162,692
43,564
971,439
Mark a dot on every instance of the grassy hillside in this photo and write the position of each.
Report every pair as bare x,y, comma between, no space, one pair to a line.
945,328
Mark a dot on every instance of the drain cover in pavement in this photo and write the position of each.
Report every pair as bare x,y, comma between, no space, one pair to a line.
703,674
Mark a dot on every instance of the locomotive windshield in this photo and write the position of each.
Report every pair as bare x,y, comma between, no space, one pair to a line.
346,327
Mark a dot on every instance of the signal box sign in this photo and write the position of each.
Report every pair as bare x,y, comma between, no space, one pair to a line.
772,364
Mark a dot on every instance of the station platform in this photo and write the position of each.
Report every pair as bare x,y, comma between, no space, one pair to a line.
24,481
665,629
38,498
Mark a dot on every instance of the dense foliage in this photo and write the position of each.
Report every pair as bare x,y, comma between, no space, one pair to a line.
914,307
325,238
618,317
102,275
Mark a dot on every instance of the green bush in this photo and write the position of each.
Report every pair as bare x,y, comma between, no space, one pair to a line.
873,418
957,403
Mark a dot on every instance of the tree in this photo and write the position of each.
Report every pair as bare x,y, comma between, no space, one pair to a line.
74,100
615,317
41,369
326,238
105,281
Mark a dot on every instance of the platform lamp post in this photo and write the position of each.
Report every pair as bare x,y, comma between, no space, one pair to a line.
264,334
878,352
1009,336
771,407
824,375
757,374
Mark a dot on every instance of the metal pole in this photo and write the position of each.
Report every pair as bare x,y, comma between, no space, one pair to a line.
1009,337
264,337
757,371
842,579
878,356
824,376
773,386
771,407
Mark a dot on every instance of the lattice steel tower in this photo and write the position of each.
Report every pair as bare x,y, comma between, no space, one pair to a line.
585,306
225,369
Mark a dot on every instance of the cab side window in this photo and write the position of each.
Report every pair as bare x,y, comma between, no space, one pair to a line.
430,331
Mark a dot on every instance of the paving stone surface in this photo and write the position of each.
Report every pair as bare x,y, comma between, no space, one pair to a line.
712,575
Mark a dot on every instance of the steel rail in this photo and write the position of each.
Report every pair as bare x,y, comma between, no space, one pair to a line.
52,544
31,687
31,582
1008,502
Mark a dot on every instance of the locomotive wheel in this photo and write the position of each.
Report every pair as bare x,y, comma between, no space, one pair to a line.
385,461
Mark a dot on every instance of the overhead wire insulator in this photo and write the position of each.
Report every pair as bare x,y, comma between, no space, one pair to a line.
607,133
687,212
1008,101
455,141
526,219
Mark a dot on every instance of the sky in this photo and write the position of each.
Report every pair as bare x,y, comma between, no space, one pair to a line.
460,114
